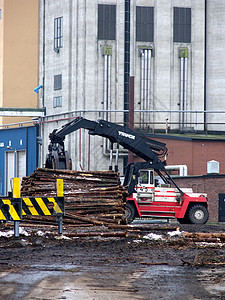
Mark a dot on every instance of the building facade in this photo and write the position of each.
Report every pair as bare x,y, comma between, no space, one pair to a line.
89,50
18,155
19,36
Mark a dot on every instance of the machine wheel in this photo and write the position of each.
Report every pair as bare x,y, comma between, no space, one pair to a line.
198,214
130,212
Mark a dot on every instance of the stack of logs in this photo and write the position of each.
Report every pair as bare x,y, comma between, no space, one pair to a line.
91,198
210,237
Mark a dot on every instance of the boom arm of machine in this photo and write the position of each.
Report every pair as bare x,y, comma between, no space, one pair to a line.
145,148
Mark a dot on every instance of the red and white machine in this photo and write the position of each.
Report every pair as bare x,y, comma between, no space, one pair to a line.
159,200
147,198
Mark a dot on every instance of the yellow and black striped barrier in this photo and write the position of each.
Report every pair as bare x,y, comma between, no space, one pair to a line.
14,208
43,206
10,209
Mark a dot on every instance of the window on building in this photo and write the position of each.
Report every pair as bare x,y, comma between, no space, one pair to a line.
106,22
144,24
0,13
58,33
58,82
57,101
182,25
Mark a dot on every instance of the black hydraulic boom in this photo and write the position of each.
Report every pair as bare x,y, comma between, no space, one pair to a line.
147,149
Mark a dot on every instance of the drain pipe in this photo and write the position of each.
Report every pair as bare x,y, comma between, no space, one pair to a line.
142,86
185,90
149,83
145,78
131,115
182,89
117,156
111,157
205,70
108,86
80,138
126,61
105,88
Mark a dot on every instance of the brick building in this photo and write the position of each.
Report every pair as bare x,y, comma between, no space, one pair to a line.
212,185
194,151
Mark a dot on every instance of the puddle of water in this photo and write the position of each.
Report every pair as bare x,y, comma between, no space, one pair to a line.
171,280
28,278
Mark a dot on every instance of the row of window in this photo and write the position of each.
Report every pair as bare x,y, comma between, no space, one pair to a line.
144,25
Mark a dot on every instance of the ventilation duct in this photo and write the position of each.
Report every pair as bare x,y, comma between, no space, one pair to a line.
107,54
182,169
213,167
145,88
183,55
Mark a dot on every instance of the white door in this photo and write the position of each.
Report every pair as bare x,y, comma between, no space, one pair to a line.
21,164
10,170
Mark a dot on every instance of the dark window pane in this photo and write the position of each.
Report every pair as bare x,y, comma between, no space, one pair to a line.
182,25
106,13
144,14
151,15
58,82
188,34
106,22
138,30
138,15
112,13
144,24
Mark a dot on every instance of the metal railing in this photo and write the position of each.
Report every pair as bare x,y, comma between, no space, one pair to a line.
157,119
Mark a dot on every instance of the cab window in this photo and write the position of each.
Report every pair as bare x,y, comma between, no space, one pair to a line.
151,177
144,177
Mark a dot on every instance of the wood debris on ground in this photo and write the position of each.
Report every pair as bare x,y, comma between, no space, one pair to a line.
211,237
91,198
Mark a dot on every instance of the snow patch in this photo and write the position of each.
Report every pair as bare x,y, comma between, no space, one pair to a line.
62,237
10,233
153,236
175,233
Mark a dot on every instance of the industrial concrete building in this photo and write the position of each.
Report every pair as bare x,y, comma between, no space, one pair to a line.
90,49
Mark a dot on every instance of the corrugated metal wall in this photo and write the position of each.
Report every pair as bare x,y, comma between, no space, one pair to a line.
18,154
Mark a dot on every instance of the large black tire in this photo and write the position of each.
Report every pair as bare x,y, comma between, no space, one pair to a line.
130,212
198,214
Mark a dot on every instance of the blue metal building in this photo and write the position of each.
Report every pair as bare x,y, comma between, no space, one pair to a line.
18,154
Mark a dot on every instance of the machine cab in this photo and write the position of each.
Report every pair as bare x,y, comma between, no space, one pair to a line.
146,185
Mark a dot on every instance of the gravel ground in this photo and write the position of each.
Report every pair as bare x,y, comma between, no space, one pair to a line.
45,265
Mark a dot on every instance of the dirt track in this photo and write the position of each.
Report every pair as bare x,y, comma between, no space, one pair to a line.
43,267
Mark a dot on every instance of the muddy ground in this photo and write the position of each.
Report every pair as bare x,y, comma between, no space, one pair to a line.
45,265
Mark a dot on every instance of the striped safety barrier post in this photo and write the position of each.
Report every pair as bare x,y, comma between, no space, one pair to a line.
16,207
11,207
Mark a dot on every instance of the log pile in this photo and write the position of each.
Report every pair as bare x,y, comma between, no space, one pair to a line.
91,198
210,237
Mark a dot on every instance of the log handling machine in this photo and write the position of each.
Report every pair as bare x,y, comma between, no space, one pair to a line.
148,183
